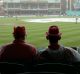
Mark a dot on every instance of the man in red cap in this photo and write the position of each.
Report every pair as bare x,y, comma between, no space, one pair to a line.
55,52
19,49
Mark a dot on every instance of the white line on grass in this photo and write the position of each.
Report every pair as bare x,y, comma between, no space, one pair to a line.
53,20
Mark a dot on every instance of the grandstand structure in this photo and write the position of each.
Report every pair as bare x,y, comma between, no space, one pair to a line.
77,5
37,7
1,8
32,7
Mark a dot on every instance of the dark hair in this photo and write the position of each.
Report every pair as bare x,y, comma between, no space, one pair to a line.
19,32
18,36
53,39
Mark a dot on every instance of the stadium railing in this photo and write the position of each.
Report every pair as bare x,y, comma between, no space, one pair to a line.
54,68
46,68
11,68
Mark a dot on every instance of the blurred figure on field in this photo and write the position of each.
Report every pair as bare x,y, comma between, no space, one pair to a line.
56,52
76,20
18,49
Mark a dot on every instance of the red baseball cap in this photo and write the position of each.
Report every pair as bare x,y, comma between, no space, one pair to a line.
19,30
53,31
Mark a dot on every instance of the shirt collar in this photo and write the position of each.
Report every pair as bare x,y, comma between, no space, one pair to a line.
18,41
54,46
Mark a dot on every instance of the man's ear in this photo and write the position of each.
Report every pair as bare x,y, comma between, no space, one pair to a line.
47,37
59,38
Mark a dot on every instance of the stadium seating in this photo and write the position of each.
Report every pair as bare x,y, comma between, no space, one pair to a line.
55,68
72,13
76,48
77,66
6,68
46,68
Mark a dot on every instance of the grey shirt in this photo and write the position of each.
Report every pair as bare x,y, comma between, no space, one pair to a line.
66,54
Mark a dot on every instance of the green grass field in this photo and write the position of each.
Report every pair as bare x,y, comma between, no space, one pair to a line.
36,32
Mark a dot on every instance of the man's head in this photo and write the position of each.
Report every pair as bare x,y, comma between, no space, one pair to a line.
53,34
19,32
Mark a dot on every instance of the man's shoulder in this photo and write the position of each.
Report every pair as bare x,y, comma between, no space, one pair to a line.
66,48
6,45
29,45
69,50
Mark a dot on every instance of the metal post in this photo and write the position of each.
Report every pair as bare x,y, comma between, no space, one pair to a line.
7,9
70,4
60,7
